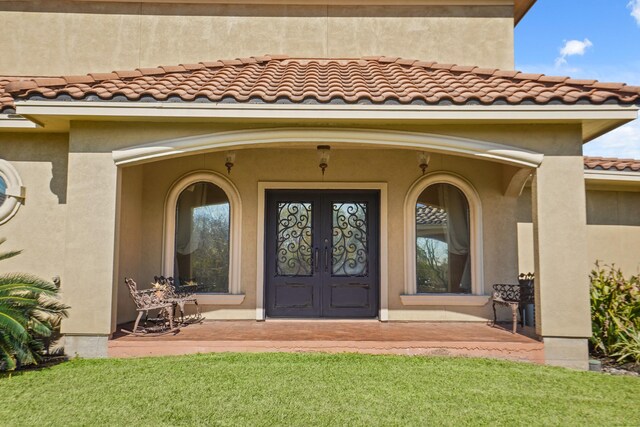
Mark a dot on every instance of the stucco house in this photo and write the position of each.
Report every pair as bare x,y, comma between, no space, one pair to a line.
365,175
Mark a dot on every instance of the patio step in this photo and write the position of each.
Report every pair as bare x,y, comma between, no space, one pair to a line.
527,352
429,339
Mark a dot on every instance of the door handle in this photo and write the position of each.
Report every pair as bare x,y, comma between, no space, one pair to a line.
326,259
316,261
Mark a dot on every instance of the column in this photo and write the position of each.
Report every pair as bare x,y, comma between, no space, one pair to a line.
560,252
87,284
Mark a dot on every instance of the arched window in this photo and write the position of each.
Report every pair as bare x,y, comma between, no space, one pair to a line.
202,237
202,233
443,241
443,231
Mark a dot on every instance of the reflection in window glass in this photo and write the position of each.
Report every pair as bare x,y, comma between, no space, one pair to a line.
443,261
202,237
3,191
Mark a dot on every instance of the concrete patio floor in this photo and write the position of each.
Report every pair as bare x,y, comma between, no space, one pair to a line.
337,336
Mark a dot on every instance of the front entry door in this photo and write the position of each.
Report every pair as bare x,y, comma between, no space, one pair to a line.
322,253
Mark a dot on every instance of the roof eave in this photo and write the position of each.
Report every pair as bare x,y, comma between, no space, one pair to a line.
612,180
555,112
520,9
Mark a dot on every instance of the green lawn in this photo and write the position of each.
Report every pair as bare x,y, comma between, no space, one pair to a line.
314,389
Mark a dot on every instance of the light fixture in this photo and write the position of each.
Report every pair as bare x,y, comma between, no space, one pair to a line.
323,156
423,161
230,160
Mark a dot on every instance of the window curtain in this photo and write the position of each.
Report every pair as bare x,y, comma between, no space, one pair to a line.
458,229
188,231
189,234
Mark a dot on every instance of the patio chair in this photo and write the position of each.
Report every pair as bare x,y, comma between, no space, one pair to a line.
516,297
147,300
178,296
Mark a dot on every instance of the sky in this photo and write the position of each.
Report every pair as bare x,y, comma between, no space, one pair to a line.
595,39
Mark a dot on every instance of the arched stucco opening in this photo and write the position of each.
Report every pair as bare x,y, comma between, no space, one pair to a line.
296,137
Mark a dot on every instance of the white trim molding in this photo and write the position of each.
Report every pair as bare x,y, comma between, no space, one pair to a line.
493,113
383,313
612,180
312,136
235,232
14,121
445,299
613,176
475,213
15,192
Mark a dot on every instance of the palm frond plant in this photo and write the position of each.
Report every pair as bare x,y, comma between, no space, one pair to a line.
30,312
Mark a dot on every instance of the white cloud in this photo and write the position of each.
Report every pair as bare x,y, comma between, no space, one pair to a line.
634,5
572,48
623,142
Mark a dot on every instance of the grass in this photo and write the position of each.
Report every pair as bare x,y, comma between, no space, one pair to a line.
314,389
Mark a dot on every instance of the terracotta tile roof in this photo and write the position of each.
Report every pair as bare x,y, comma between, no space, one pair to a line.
6,100
611,163
370,80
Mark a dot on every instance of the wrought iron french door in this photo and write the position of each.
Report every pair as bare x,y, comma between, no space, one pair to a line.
322,252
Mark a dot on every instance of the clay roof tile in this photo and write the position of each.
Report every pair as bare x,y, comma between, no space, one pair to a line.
128,74
151,71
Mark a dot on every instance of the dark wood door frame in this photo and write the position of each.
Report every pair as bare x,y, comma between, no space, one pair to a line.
322,253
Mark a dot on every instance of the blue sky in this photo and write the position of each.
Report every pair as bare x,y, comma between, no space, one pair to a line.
597,39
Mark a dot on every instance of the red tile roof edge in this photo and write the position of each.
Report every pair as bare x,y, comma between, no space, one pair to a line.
537,88
611,164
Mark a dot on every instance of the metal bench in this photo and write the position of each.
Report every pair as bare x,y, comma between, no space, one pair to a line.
516,297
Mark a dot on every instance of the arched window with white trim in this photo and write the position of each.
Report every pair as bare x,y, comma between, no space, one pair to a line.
443,231
202,237
443,241
202,233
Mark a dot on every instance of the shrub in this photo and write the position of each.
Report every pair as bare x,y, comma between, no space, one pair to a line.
615,314
30,312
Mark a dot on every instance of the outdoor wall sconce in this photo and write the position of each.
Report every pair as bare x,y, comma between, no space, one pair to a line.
323,156
423,161
230,160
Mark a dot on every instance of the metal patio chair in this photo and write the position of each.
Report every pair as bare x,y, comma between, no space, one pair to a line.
179,297
147,300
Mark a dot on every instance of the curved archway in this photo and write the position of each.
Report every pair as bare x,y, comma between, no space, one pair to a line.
475,226
311,136
235,229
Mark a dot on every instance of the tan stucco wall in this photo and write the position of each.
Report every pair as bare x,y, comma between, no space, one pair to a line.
38,228
613,230
69,37
130,242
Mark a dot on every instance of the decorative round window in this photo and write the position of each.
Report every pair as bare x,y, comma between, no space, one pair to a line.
11,191
3,191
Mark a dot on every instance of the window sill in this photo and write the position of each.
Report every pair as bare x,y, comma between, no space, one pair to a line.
445,299
220,299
